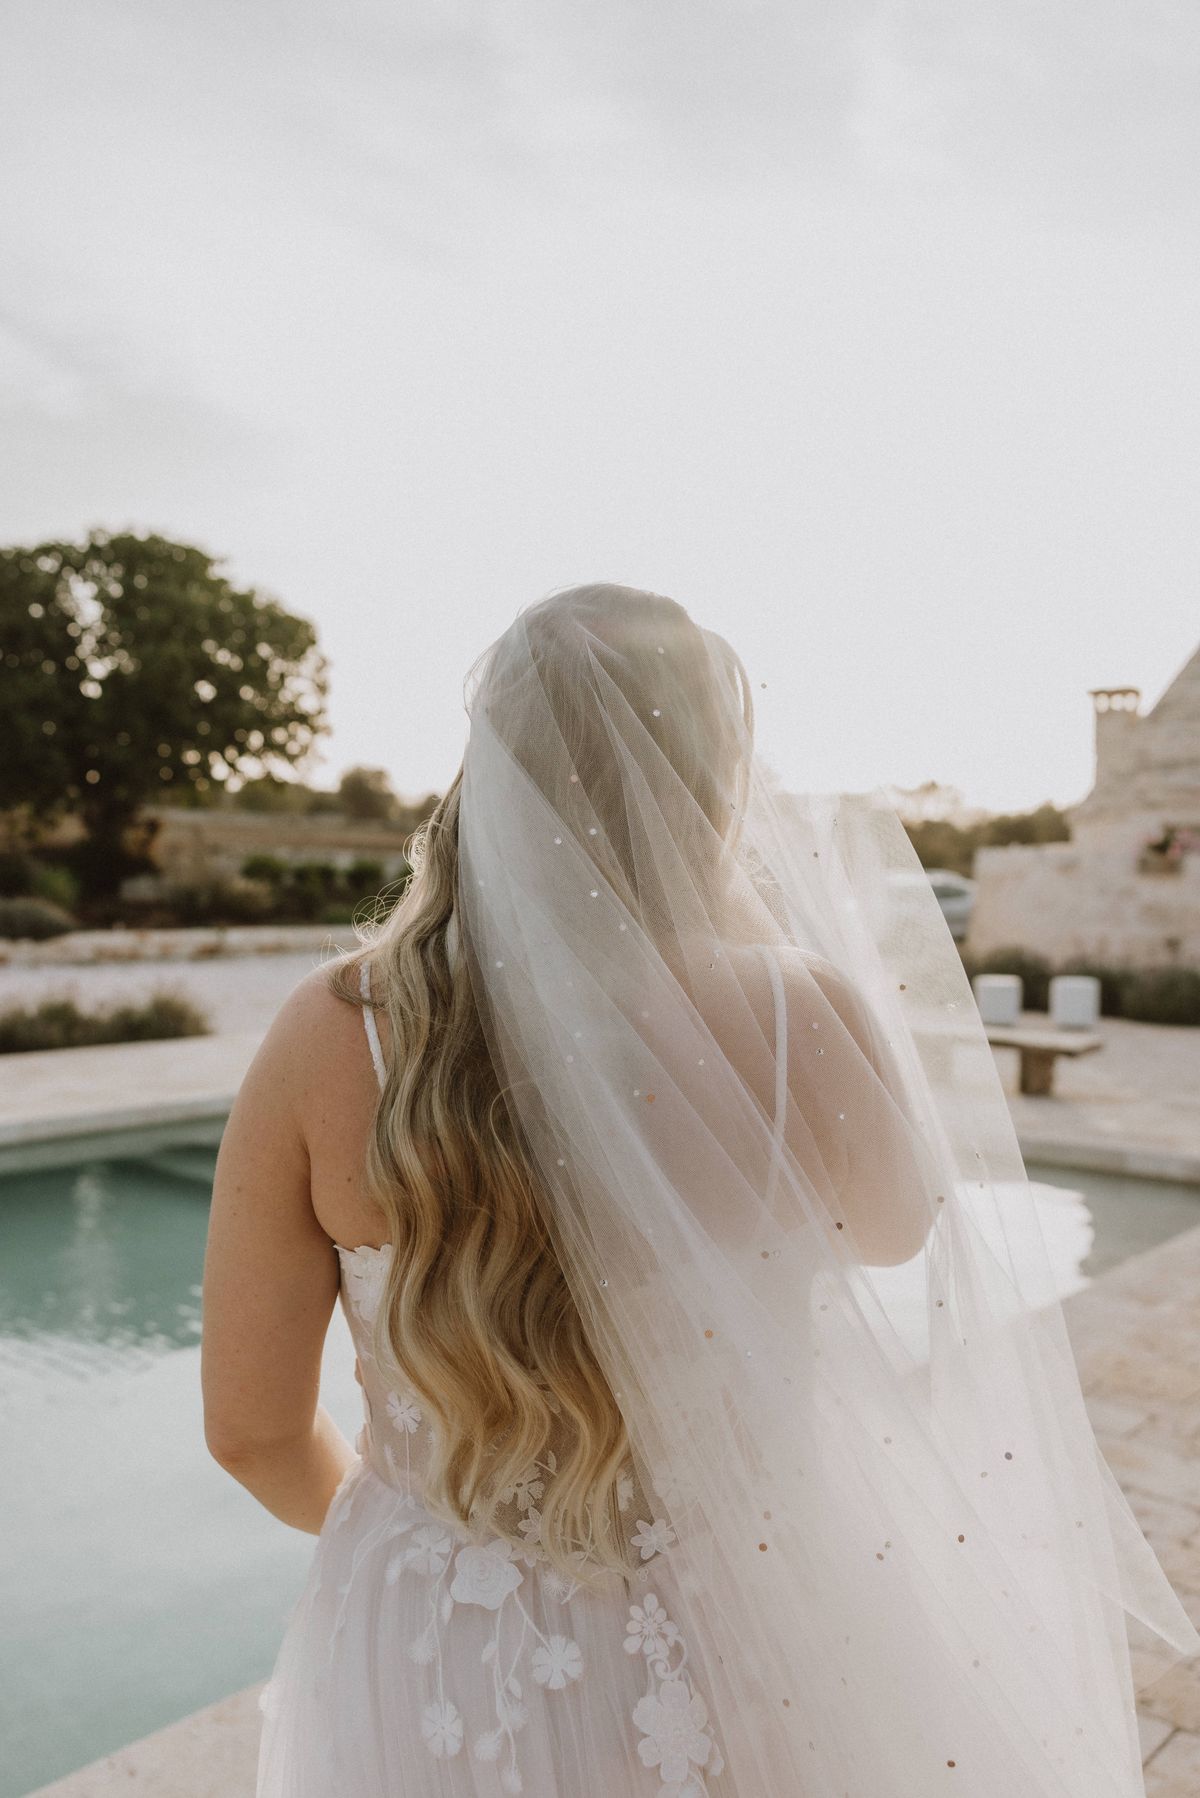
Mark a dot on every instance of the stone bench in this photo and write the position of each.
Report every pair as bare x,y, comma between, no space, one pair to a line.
1039,1049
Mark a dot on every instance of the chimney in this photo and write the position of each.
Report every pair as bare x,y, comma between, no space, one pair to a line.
1117,714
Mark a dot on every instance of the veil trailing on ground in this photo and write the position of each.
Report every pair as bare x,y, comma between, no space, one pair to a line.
781,1175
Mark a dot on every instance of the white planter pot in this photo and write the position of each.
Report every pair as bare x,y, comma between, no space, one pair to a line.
1074,1001
998,997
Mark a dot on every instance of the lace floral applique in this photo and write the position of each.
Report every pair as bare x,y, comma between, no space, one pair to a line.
365,1273
672,1715
405,1419
487,1575
403,1412
442,1728
652,1538
491,1577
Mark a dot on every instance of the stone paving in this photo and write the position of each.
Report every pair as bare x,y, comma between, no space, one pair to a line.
201,942
57,1095
1136,1337
235,991
211,1754
1133,1107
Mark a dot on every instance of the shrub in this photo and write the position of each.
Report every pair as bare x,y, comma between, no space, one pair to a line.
268,869
16,873
321,876
1034,970
365,876
310,890
1161,995
121,912
233,900
24,877
37,919
160,1015
60,1024
57,883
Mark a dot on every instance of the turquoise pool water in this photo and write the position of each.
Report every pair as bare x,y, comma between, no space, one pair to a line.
1129,1214
141,1582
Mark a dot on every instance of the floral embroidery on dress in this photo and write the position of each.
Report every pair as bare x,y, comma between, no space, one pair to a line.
403,1412
526,1491
442,1728
364,1271
530,1527
485,1576
556,1661
491,1577
428,1553
672,1715
650,1630
652,1538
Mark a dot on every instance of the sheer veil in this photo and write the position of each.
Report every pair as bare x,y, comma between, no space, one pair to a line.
781,1175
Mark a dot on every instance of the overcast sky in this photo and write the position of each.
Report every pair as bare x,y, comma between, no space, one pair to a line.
867,331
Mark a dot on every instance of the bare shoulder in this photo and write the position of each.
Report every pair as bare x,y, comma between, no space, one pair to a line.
800,967
805,965
804,970
314,1007
806,976
314,1039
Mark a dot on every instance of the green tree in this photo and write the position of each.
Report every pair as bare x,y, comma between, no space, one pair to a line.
134,670
1045,825
940,843
268,793
367,793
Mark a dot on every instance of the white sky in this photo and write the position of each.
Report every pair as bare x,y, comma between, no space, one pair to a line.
865,330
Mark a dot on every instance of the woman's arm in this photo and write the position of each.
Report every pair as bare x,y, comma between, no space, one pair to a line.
872,1167
270,1284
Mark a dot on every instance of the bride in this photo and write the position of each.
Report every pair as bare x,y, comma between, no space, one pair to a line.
721,1430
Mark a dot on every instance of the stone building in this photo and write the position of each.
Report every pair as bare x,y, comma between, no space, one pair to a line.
1125,890
213,842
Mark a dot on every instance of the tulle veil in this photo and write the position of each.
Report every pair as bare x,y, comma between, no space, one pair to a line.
781,1174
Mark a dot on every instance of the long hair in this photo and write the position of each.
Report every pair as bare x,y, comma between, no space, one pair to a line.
476,1315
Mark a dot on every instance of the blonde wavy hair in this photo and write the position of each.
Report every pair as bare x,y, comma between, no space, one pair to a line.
476,1315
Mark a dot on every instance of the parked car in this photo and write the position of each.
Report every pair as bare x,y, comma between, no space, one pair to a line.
955,893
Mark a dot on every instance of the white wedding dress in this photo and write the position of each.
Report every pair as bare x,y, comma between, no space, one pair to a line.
415,1665
879,1553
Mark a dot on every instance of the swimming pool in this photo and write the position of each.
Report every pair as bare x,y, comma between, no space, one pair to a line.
1129,1213
141,1581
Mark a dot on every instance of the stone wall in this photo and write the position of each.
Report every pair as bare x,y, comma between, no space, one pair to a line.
199,845
1086,897
1095,896
1147,763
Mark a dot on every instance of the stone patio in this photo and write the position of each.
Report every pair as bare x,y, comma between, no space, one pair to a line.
1136,1337
1132,1108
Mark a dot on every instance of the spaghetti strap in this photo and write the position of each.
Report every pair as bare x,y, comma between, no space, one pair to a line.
364,982
781,1068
